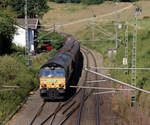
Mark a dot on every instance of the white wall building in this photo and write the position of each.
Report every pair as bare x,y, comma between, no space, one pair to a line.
20,38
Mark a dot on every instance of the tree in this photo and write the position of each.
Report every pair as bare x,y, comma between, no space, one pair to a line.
4,4
67,1
75,1
7,30
92,1
36,8
60,1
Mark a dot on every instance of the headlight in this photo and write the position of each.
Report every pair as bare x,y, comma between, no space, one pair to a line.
61,85
43,86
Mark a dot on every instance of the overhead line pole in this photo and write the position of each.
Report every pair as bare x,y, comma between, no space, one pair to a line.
133,76
27,49
126,44
134,50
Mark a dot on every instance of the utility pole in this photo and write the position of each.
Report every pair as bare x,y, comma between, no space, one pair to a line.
116,24
134,47
93,25
125,61
93,29
116,36
27,49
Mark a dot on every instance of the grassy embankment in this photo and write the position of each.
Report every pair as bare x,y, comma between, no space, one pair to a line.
14,72
143,56
143,50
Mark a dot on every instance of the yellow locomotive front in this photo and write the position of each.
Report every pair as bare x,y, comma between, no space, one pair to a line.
52,83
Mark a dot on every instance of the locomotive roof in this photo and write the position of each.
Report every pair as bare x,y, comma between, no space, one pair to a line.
66,54
60,60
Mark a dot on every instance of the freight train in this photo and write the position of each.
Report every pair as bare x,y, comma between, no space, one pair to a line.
61,71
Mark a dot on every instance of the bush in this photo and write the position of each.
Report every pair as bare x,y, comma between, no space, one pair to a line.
12,73
92,1
7,30
35,7
17,49
55,39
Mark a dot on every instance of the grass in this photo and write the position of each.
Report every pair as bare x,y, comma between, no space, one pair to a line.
64,13
102,46
122,105
14,72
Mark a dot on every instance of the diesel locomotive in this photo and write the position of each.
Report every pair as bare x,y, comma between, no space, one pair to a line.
61,71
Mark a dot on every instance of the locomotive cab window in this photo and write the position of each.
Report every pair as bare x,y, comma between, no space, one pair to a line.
57,72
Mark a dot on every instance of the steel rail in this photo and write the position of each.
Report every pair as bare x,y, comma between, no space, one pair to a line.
38,113
68,107
63,105
97,96
95,81
71,112
55,113
83,93
68,115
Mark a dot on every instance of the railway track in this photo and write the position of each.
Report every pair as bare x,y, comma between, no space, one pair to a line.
64,107
86,52
65,113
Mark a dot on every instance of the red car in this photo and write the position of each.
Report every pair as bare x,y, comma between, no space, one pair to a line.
46,47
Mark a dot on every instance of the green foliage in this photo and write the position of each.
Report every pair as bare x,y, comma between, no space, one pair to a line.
35,7
55,39
17,49
4,4
75,1
143,53
7,29
60,1
128,0
13,71
67,1
92,1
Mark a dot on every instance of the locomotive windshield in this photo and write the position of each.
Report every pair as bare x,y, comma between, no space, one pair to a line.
52,73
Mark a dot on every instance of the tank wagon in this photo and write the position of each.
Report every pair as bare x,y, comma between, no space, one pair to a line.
61,71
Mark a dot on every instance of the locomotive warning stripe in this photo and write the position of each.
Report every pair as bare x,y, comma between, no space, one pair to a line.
54,82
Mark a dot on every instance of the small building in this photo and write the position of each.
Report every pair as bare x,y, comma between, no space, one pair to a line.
20,35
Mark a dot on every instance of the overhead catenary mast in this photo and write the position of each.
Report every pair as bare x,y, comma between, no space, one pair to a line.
125,59
27,49
134,52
